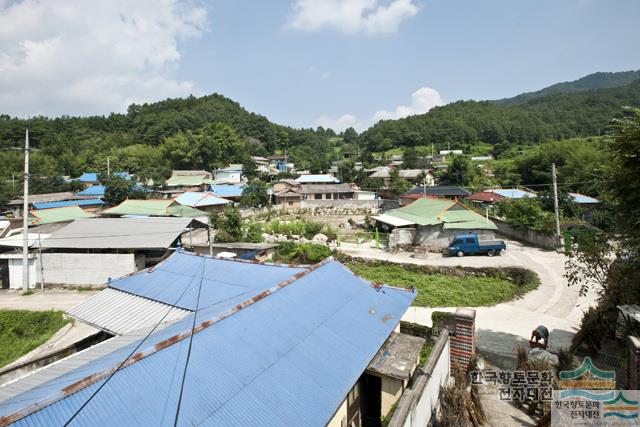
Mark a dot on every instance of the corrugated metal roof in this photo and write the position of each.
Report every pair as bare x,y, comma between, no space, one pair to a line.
48,216
158,207
88,177
227,190
393,221
513,193
223,280
310,179
582,199
200,199
288,357
427,211
94,190
67,203
118,233
120,312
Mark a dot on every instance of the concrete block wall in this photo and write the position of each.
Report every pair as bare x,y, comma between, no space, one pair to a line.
81,269
463,343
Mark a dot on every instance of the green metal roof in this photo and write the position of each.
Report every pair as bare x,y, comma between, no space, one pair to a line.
154,208
452,214
48,216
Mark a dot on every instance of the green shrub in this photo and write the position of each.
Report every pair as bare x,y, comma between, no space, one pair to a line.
301,253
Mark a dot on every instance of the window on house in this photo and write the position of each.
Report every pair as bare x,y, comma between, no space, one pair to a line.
318,196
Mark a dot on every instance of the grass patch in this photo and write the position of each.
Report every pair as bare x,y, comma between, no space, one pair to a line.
21,331
425,352
440,290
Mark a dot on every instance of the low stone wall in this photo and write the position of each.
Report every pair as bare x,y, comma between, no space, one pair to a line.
339,204
527,235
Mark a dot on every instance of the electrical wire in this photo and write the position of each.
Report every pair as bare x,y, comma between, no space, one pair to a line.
186,363
75,414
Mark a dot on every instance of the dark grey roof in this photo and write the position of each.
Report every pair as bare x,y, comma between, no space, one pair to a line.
118,233
326,188
398,356
439,190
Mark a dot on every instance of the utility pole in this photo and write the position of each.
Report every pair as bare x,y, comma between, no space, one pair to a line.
555,199
25,217
108,168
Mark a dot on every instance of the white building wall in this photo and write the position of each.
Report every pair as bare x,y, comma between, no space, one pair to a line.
231,176
15,271
85,269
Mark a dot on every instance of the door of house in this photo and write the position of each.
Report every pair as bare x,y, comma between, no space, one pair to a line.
370,398
4,274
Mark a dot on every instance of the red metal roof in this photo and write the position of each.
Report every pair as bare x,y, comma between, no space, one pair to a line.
485,196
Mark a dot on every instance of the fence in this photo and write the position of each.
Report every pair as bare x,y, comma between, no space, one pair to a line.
419,404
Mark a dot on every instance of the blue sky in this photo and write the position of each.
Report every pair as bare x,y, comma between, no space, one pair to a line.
307,62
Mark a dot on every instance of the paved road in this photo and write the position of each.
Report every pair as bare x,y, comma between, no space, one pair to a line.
501,328
54,299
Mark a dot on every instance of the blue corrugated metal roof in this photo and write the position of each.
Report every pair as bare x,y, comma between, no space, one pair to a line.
582,199
513,193
227,190
199,199
88,177
65,203
223,280
94,190
288,358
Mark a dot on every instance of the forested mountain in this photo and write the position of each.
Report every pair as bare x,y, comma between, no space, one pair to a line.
465,123
151,139
590,82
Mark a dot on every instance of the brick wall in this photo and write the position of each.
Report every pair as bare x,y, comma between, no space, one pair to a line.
463,343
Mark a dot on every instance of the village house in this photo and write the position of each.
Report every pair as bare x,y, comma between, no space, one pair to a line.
232,174
438,191
293,194
232,192
54,200
152,207
189,180
411,175
204,201
344,349
89,252
432,223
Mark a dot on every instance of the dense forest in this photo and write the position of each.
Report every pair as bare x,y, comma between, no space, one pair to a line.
590,82
466,123
211,131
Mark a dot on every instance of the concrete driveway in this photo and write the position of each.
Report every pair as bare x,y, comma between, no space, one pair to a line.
501,328
50,299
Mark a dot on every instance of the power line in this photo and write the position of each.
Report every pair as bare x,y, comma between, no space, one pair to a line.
186,363
137,347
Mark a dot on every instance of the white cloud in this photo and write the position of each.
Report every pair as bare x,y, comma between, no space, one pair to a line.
422,100
92,57
351,16
339,124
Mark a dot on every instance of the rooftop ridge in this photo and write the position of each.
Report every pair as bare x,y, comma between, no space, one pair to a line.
154,348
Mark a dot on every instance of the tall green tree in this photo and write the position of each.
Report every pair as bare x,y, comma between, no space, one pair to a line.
254,195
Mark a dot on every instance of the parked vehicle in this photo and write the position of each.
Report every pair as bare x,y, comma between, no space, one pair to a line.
469,244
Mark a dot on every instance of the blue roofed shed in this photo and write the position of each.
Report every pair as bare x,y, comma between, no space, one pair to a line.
287,355
94,190
88,203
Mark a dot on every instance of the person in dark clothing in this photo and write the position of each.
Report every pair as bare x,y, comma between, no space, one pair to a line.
540,333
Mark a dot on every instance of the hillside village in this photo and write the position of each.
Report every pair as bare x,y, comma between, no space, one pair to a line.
467,257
